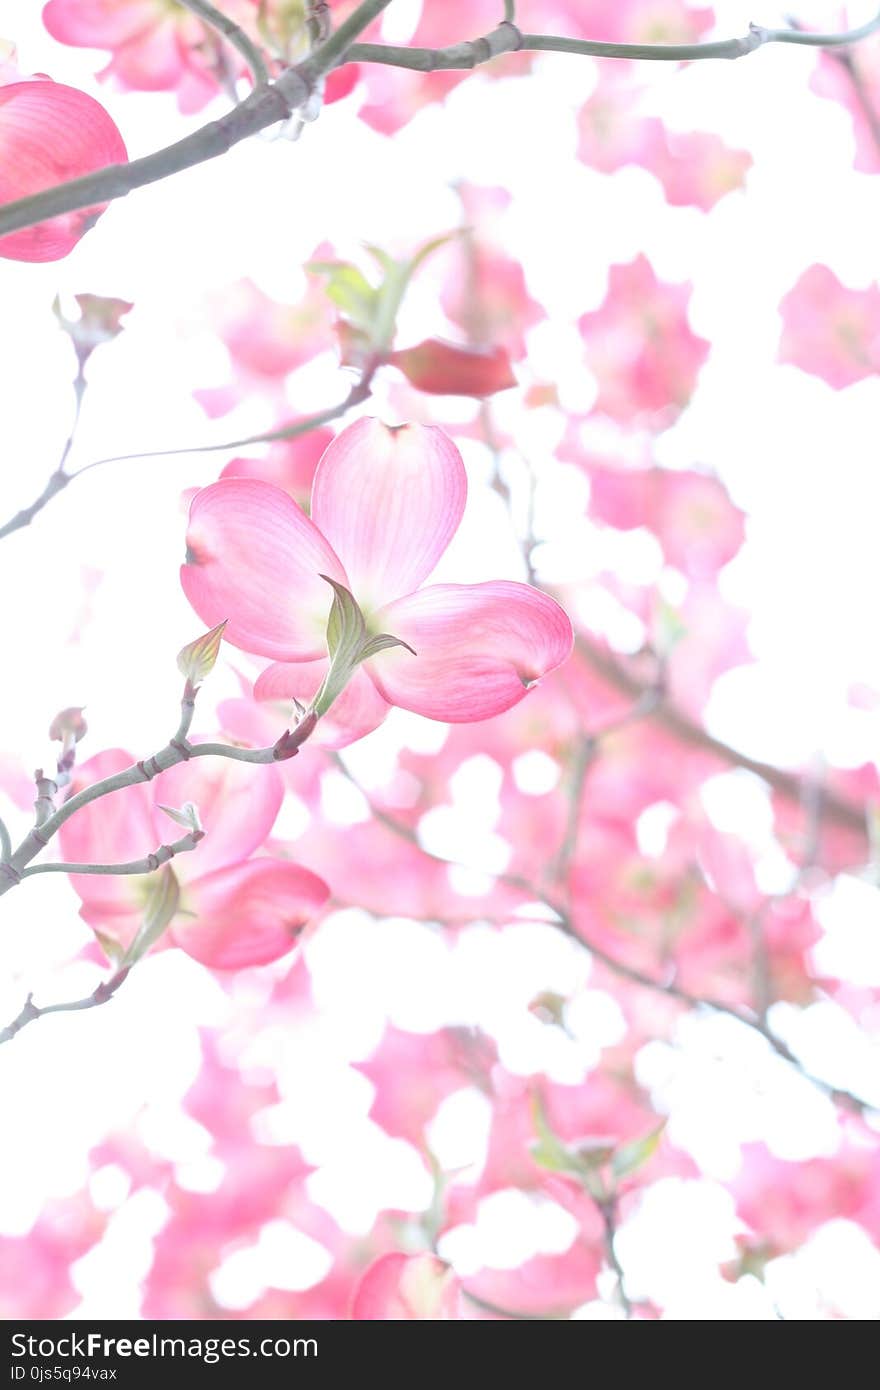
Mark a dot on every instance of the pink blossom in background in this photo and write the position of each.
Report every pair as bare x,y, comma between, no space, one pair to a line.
640,347
484,289
694,168
156,46
385,505
633,21
829,330
832,81
266,340
691,513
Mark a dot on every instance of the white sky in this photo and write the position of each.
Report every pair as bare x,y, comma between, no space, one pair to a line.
801,458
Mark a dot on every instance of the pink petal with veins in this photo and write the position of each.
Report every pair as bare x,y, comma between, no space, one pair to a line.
248,914
389,501
50,133
479,647
255,558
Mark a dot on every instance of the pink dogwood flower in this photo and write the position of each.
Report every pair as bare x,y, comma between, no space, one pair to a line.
385,505
236,909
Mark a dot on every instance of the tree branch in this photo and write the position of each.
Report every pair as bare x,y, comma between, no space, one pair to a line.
482,50
264,107
267,105
789,785
177,750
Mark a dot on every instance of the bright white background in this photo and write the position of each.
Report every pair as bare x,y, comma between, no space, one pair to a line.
92,614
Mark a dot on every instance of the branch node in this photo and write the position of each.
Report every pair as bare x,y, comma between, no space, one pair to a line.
518,35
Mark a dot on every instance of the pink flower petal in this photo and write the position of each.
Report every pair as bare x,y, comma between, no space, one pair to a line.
254,558
99,23
248,914
389,501
356,712
406,1288
443,369
237,804
479,648
50,133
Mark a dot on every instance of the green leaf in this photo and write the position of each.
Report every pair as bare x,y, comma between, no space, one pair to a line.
187,816
346,634
546,1156
370,311
667,628
346,629
348,645
583,1161
429,247
592,1154
381,643
630,1157
162,904
382,258
350,290
111,948
197,659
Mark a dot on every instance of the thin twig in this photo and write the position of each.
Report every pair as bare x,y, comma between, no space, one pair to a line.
608,1211
31,1011
148,865
234,35
359,392
579,764
59,478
